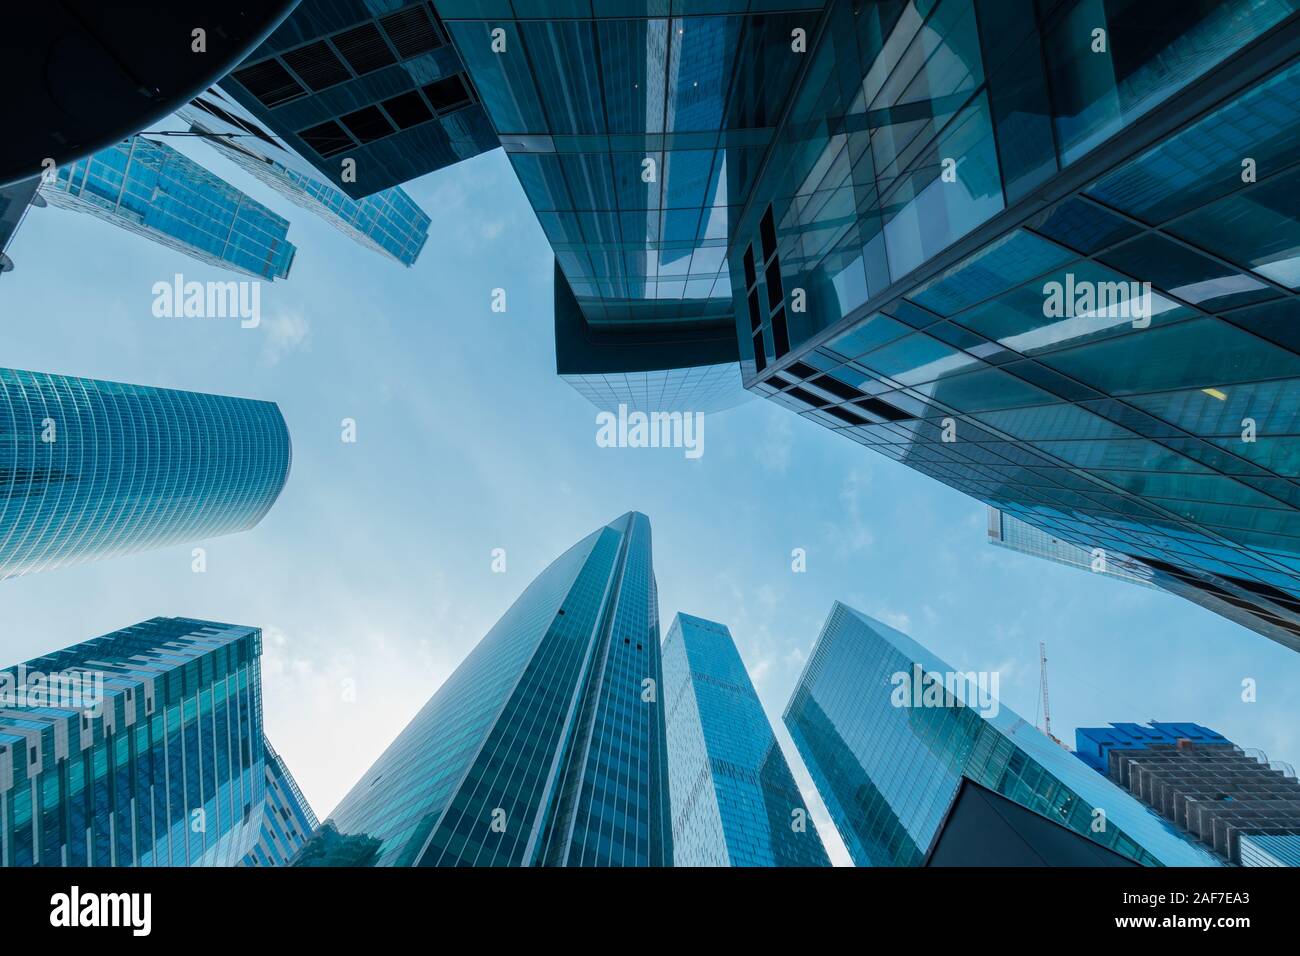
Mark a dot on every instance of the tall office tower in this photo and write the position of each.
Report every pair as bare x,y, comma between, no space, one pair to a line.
388,222
1008,531
143,747
150,189
919,764
931,223
734,800
287,819
91,469
371,99
545,746
1232,800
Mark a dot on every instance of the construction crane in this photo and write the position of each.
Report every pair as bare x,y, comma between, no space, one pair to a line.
1042,684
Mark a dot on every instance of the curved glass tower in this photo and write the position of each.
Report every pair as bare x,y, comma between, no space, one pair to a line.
544,747
91,469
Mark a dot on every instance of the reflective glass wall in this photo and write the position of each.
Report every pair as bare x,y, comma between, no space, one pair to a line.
157,760
735,802
888,758
152,190
91,469
544,747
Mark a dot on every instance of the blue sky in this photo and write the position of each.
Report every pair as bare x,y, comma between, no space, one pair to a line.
373,571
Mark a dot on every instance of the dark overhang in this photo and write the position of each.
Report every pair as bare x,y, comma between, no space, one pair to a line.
81,75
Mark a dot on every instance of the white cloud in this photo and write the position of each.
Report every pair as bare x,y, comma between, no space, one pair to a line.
284,332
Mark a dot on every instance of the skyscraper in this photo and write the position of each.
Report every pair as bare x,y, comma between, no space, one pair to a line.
1234,801
892,202
372,98
148,188
143,747
287,819
893,738
735,802
388,222
1008,531
91,469
545,746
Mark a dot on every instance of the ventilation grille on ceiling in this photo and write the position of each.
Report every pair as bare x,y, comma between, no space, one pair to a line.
367,124
269,82
317,65
364,49
411,32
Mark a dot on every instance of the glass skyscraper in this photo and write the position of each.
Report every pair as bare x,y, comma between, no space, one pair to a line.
891,203
143,747
890,733
287,819
91,469
371,94
1234,801
545,746
735,802
388,222
152,190
1007,531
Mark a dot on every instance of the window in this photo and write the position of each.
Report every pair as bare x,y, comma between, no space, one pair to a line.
407,110
447,94
767,234
327,139
367,124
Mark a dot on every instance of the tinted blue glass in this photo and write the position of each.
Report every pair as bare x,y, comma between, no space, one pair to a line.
889,766
145,750
735,802
85,475
150,189
546,745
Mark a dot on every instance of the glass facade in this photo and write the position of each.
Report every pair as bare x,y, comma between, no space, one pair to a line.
1154,425
735,802
388,222
544,747
1013,534
91,469
710,388
889,766
1209,788
891,201
287,819
637,139
371,93
163,765
150,189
